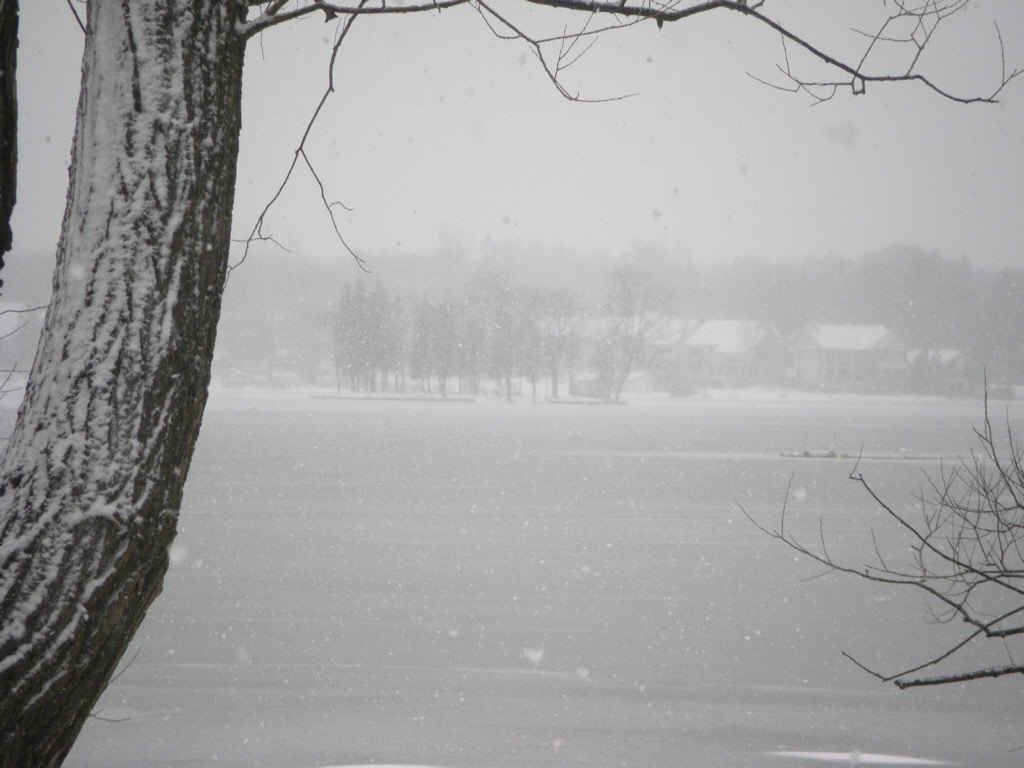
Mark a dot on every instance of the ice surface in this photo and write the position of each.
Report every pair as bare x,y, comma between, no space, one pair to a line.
858,758
481,584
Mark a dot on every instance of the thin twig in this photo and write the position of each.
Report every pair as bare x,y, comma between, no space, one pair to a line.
257,234
78,18
966,553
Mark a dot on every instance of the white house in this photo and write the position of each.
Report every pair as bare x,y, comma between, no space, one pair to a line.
849,357
732,353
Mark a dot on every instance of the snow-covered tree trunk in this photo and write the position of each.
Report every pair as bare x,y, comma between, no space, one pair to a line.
93,474
8,120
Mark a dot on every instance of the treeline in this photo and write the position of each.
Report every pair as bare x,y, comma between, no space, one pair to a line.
928,301
491,329
482,323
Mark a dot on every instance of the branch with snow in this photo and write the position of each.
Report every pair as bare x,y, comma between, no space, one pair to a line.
911,27
559,51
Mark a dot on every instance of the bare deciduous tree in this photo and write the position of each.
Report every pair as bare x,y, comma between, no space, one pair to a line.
93,473
642,287
964,549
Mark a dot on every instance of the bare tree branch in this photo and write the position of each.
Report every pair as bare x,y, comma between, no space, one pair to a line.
964,677
558,52
78,18
966,553
257,234
923,20
274,14
566,43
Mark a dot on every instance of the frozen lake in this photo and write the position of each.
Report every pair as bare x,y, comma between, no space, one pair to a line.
488,585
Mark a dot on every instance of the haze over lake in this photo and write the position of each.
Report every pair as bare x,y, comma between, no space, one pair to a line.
485,584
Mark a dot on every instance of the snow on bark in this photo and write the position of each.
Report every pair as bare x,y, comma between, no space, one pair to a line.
93,473
8,122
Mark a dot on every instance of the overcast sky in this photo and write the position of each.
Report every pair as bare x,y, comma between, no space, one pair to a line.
441,136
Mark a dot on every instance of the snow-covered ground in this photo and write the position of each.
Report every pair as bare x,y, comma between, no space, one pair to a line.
484,584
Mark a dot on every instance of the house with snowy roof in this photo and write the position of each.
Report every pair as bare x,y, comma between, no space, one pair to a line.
732,353
855,357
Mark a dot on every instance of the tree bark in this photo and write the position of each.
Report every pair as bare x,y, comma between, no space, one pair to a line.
8,122
93,473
